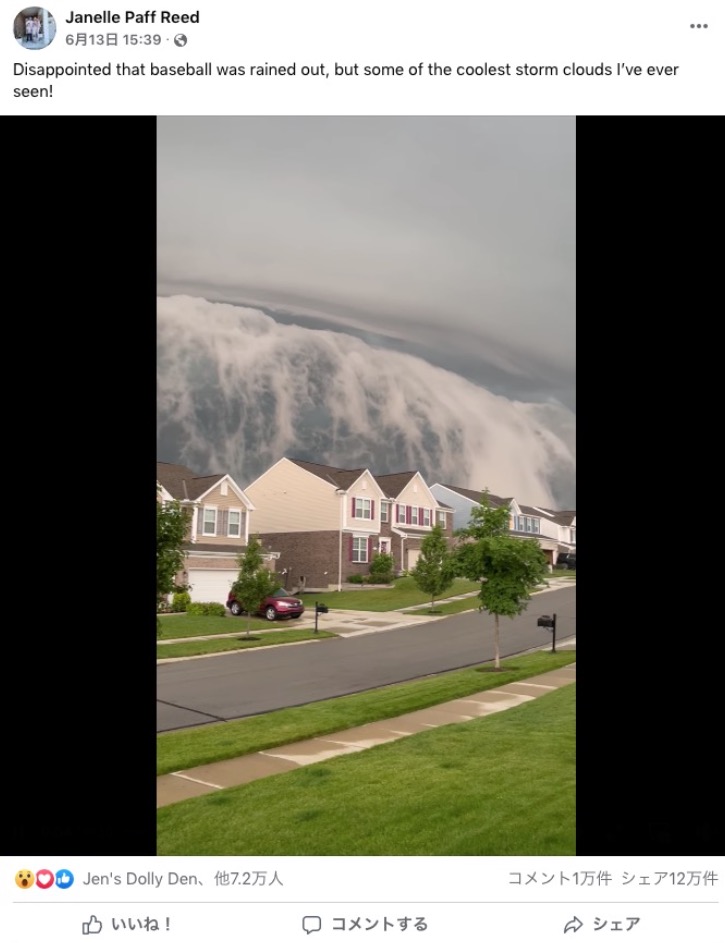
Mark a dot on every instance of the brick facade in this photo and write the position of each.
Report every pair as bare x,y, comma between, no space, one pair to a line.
312,555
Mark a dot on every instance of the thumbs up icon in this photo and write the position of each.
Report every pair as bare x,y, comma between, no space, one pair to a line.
93,926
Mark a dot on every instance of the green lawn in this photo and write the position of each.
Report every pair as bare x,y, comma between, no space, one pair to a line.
500,785
182,625
447,608
404,593
184,749
201,647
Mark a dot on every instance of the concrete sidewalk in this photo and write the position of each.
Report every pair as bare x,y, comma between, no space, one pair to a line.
201,780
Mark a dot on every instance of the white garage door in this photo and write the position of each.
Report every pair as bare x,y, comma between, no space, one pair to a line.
211,585
413,558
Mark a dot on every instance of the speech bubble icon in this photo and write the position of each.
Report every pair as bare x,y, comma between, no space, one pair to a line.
311,924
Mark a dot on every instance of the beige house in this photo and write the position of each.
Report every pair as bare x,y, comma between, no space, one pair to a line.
327,523
219,528
408,513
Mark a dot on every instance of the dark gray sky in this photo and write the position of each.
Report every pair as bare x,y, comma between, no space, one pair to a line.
451,238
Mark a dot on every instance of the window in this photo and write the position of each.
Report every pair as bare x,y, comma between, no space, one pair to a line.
529,525
426,517
360,549
234,525
384,546
384,508
441,518
209,528
402,514
362,508
414,515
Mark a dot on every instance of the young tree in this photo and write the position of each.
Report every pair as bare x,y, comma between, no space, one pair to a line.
172,523
254,581
509,567
435,570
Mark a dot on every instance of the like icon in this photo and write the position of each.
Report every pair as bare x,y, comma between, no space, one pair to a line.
44,879
64,878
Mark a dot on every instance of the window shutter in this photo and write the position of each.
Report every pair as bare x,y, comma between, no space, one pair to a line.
224,523
200,521
407,520
370,549
372,510
353,507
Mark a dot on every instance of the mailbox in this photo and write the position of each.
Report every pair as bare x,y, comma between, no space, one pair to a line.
549,622
321,607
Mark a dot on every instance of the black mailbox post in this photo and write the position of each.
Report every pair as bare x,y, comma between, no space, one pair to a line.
549,622
319,608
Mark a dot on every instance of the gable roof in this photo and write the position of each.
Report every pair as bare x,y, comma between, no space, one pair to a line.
475,496
339,477
182,483
532,511
561,517
393,484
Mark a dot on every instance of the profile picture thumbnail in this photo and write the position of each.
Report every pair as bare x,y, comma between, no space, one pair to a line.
34,28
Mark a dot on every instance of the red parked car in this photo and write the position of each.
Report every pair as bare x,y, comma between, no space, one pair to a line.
277,606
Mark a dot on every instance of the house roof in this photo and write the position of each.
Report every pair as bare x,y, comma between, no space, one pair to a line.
393,484
339,477
562,517
410,531
182,483
531,511
495,500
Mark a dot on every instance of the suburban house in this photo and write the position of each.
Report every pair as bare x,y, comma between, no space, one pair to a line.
327,523
565,522
463,500
525,521
408,513
219,528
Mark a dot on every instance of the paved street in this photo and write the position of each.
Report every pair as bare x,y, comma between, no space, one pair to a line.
255,681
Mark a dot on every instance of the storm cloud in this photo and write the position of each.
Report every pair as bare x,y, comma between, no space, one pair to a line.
447,240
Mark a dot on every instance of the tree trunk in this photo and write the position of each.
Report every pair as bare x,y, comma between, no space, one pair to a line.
497,658
249,620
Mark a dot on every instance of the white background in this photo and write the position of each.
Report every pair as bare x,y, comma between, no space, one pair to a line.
461,899
381,32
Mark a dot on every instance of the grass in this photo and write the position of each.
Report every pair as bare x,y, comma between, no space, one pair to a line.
447,608
184,749
404,593
500,785
185,626
202,647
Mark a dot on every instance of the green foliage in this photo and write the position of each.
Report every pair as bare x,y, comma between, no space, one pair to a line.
509,567
356,578
435,570
381,569
206,609
172,521
180,602
254,581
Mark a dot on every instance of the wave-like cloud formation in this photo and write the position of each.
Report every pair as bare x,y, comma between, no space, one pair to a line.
237,391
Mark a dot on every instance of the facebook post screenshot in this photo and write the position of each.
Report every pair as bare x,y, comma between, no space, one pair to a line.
316,267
